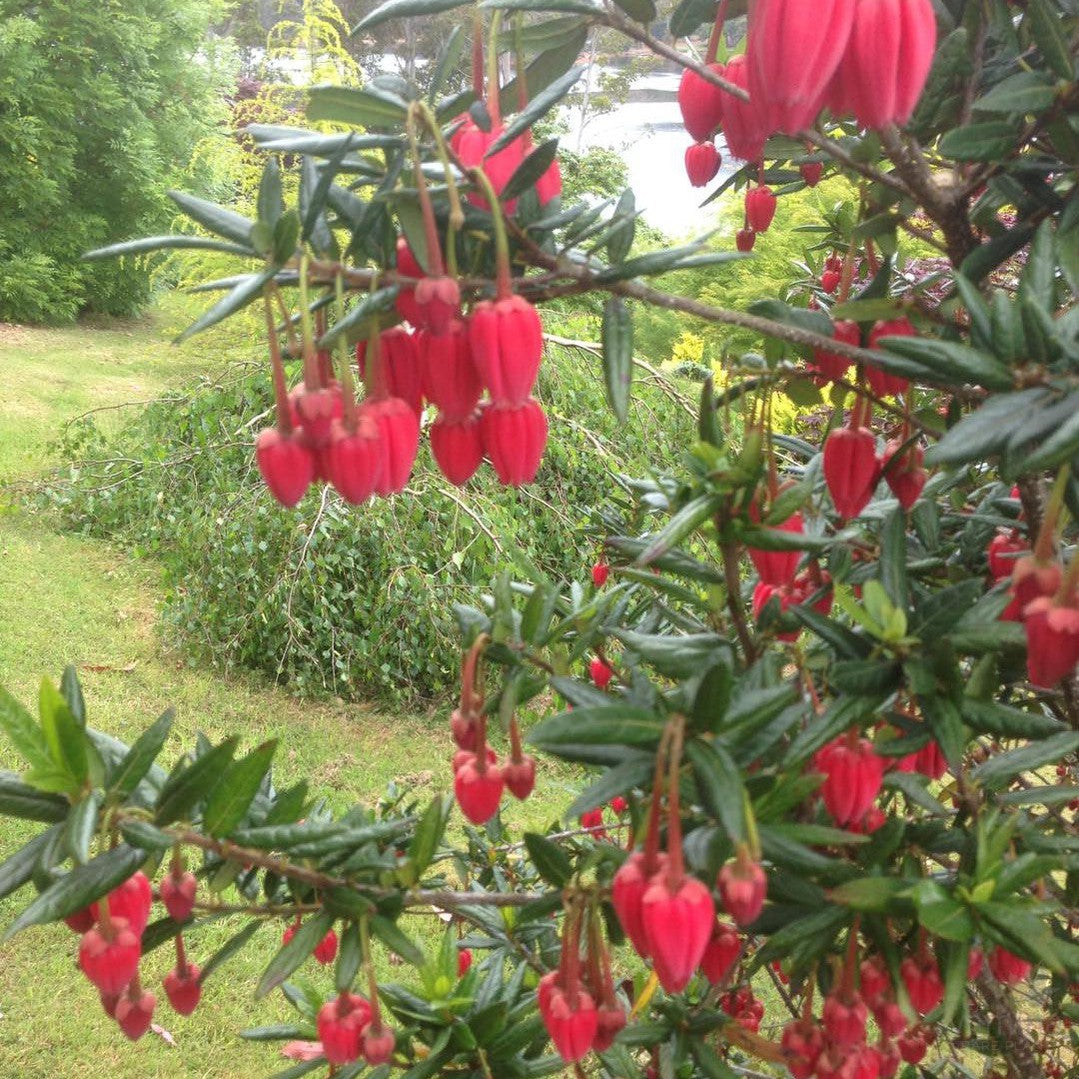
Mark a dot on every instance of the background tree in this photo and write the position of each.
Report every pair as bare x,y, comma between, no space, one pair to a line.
98,116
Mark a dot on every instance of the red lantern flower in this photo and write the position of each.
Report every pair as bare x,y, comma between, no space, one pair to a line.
832,366
286,463
851,469
354,460
904,474
743,888
514,438
471,143
853,776
506,336
760,207
744,240
457,448
399,436
880,381
401,365
744,126
1052,631
702,103
450,378
702,163
886,61
793,48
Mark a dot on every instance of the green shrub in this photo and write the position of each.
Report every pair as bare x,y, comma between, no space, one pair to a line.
331,598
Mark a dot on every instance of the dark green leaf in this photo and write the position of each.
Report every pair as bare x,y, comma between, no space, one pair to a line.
394,938
349,958
719,783
140,757
216,219
146,837
1051,38
689,15
1004,721
270,203
549,65
940,912
349,105
614,724
551,862
427,837
162,243
82,886
185,788
1024,92
20,800
537,108
372,304
1002,768
984,431
71,691
26,735
231,798
644,11
18,869
686,521
677,656
990,140
403,9
531,169
303,943
623,777
64,735
617,338
249,288
947,363
81,826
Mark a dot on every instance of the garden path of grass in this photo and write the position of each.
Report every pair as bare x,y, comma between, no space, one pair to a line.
64,599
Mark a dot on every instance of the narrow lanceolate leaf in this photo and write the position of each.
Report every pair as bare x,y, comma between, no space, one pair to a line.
427,837
184,789
83,885
1049,35
303,943
230,800
403,9
1003,767
140,757
531,169
65,737
229,949
617,340
214,218
553,62
396,940
165,243
20,800
371,304
987,141
615,724
538,107
719,783
551,862
689,14
249,288
686,521
81,826
348,105
17,870
26,735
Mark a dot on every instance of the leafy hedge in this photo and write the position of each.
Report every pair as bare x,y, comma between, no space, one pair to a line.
333,599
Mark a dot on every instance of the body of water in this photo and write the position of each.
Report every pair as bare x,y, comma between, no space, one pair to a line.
647,132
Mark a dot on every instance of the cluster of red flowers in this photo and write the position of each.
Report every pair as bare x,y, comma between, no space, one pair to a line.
446,359
1043,597
576,1000
350,1026
869,61
111,947
478,778
834,1046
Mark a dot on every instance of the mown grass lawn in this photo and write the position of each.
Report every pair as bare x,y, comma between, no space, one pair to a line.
70,599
